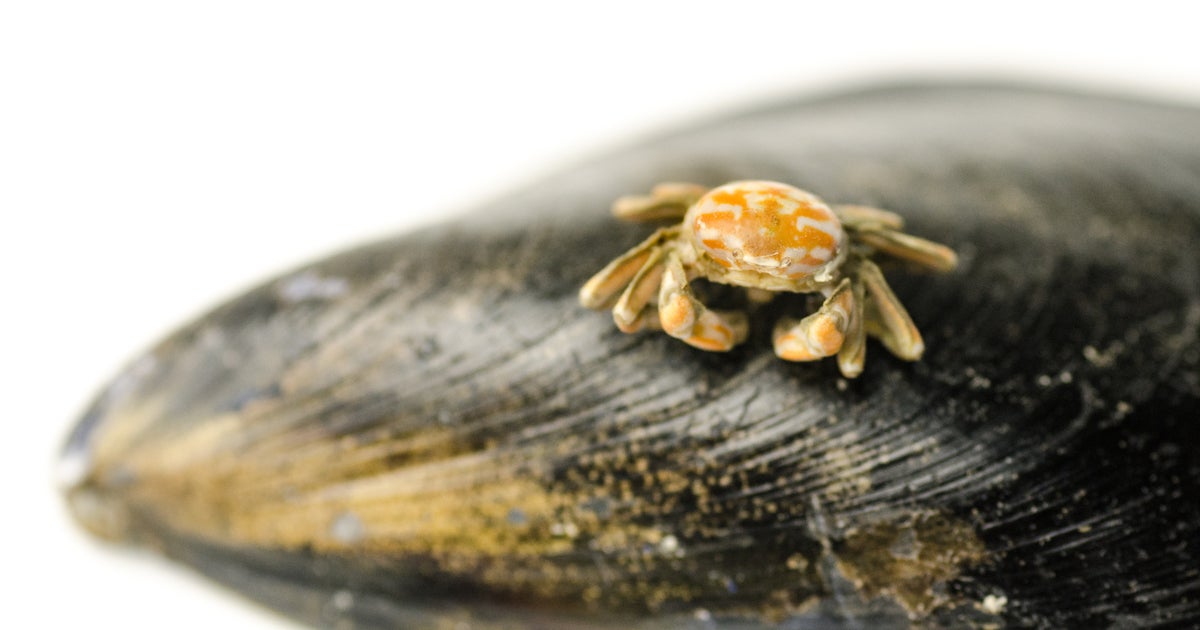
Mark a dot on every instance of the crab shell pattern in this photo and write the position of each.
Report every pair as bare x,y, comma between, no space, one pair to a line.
766,229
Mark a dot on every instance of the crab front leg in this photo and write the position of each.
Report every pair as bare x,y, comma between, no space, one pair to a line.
668,200
885,317
602,289
853,354
823,333
683,316
630,312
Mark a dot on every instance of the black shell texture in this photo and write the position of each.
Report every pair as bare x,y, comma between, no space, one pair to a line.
429,431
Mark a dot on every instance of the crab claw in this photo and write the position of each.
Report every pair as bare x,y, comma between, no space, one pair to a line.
819,335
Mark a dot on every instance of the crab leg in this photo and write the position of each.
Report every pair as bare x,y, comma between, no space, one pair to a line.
886,318
820,334
854,349
602,289
669,200
684,317
928,254
864,217
645,285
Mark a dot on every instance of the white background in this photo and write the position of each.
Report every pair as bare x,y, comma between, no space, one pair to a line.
156,157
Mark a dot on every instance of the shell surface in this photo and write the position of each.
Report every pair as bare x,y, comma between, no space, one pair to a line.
449,439
766,227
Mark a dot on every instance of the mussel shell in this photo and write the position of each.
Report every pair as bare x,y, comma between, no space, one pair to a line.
429,430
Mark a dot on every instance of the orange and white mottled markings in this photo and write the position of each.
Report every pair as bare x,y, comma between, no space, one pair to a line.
766,227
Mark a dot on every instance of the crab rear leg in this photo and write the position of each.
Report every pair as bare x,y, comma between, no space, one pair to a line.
602,289
928,254
683,316
865,217
881,230
886,319
668,200
821,334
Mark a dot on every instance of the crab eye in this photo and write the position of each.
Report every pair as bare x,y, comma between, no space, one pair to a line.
766,227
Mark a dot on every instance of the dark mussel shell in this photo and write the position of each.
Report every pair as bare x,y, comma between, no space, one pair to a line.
430,430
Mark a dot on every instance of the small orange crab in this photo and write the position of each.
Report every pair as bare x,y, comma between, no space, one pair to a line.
767,237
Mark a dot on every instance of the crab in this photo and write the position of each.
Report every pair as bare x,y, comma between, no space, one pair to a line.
767,237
